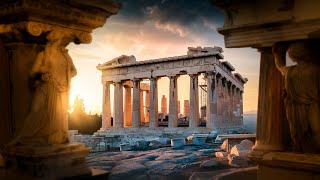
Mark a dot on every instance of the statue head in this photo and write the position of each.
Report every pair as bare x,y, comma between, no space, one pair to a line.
303,51
54,36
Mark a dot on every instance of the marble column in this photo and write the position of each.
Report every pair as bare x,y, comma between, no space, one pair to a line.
219,100
147,106
136,121
118,105
271,123
234,116
127,107
228,104
224,119
241,108
238,102
141,107
106,106
153,107
194,101
173,102
211,100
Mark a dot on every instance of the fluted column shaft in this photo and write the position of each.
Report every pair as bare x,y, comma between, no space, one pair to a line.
118,105
141,107
211,100
147,104
136,121
127,107
173,102
241,107
194,102
271,124
106,107
153,106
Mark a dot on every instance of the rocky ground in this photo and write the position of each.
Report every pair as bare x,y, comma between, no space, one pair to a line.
162,163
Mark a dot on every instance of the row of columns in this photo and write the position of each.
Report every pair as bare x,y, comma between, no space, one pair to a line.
133,114
224,102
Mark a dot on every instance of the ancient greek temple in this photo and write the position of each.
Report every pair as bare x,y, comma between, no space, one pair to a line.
224,105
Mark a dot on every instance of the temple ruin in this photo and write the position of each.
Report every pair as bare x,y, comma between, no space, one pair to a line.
224,105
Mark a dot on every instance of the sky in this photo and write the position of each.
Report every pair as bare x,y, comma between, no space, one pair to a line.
150,29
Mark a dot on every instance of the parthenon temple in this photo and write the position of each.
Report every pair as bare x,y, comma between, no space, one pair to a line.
224,106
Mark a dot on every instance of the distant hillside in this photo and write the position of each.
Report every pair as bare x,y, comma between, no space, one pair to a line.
250,112
250,122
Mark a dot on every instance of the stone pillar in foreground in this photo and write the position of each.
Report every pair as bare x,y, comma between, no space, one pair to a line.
212,116
38,72
127,107
106,106
118,105
194,102
153,107
173,102
136,121
270,118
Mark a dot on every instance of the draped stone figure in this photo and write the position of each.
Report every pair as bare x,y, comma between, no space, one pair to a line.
302,85
47,121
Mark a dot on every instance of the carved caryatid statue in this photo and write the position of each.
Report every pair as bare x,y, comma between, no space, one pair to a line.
302,85
51,74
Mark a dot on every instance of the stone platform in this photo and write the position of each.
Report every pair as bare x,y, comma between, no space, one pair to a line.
286,165
46,162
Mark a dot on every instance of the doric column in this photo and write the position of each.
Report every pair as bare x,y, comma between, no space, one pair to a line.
136,122
224,119
211,100
127,106
229,103
173,102
241,108
141,107
194,102
118,105
153,107
147,104
233,95
106,106
271,122
219,89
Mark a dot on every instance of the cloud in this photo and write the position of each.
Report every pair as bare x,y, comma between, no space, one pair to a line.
177,16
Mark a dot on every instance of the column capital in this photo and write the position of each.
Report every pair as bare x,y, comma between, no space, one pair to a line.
117,82
136,80
82,17
211,73
107,83
154,78
173,76
193,74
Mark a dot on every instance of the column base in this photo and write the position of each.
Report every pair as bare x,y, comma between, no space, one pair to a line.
46,162
259,150
286,165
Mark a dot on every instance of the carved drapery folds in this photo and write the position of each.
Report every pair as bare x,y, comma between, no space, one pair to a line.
34,34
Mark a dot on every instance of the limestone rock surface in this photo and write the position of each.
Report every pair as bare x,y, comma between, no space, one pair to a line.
209,164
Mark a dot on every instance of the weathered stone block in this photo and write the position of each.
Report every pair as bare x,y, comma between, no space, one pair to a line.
199,140
176,142
125,147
